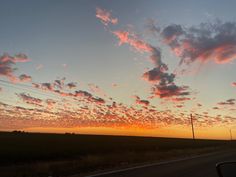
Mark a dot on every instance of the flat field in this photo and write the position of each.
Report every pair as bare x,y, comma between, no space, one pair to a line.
41,154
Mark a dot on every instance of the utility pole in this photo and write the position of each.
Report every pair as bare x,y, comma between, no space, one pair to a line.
230,132
191,118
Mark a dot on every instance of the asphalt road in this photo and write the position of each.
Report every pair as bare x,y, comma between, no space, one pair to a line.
202,166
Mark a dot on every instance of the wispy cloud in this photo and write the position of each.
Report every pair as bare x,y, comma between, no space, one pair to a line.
133,41
30,100
59,87
159,77
105,16
89,97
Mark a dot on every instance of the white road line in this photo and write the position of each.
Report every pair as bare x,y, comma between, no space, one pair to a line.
149,165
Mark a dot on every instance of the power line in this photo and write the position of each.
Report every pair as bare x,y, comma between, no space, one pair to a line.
26,87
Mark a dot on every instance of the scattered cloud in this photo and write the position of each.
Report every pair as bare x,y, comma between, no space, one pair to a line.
29,99
25,78
71,85
47,86
96,89
199,104
114,85
59,83
141,102
164,81
20,58
59,86
7,64
166,91
156,75
50,103
229,102
89,97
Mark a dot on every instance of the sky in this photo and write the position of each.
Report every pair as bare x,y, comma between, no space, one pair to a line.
111,67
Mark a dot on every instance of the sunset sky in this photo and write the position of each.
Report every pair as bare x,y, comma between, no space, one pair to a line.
118,67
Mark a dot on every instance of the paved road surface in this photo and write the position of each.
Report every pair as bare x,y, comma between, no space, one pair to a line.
203,166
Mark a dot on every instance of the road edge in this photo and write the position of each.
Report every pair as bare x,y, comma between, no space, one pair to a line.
149,165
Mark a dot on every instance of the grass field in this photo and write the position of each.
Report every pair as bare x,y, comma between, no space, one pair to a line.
35,154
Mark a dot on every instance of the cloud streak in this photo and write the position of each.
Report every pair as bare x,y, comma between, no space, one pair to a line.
105,16
30,100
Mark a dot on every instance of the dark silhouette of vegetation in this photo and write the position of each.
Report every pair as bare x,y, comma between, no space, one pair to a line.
37,154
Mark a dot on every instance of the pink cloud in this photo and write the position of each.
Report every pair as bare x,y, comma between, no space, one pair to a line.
205,42
158,75
50,103
234,84
139,45
105,16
